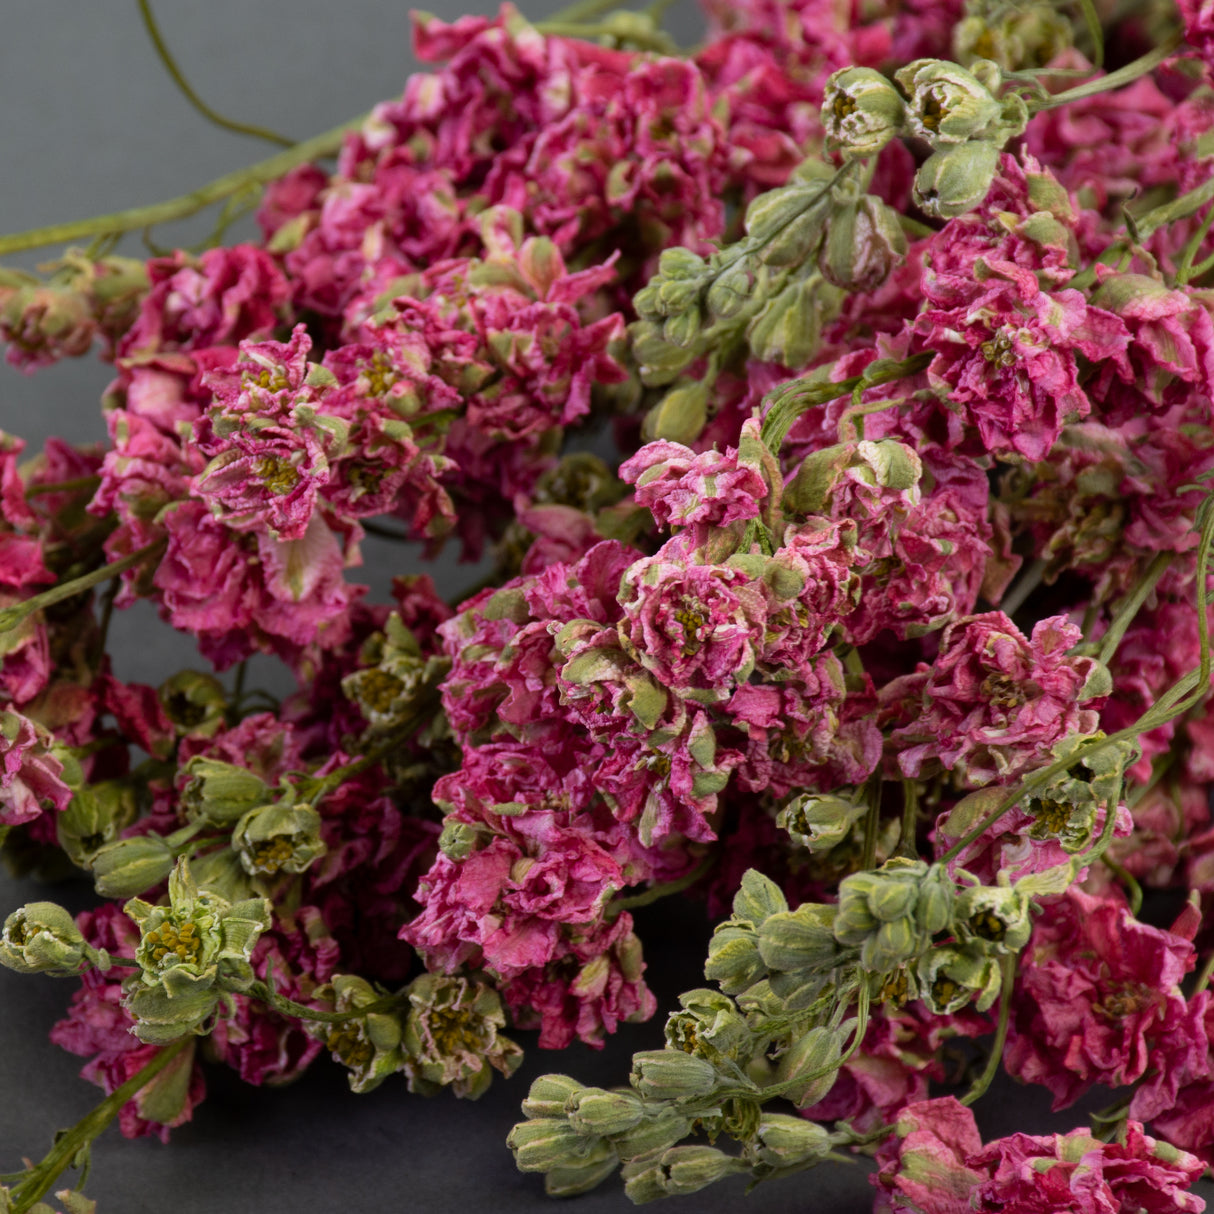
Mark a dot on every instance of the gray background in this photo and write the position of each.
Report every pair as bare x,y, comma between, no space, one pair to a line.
90,123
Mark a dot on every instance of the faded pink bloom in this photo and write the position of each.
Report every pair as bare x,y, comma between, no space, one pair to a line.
994,702
221,297
922,1166
681,487
30,775
1096,992
692,625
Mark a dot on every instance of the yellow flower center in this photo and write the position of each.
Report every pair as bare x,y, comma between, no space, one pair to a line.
269,855
167,940
277,474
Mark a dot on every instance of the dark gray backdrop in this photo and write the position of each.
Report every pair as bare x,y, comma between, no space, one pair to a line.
90,123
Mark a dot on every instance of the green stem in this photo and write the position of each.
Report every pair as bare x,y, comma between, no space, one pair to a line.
1028,581
648,40
84,1131
288,1007
996,1055
1205,974
789,401
1114,80
910,819
1185,270
170,65
1132,605
12,617
872,822
665,890
184,205
79,482
1179,208
1133,889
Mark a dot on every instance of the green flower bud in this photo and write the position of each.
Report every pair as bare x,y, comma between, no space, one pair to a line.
677,1171
758,896
952,976
731,290
679,263
194,702
710,1026
97,815
733,961
819,823
683,329
198,944
954,181
948,105
861,111
548,1096
680,415
864,241
659,1129
369,1047
890,945
657,360
161,1017
570,1182
128,867
458,840
595,1111
541,1146
782,1141
800,238
221,792
451,1037
788,330
42,938
220,871
802,939
672,1075
810,1065
277,839
934,909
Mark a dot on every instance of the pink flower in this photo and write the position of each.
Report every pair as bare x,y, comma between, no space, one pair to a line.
692,625
994,702
1096,991
31,777
936,1161
681,488
224,296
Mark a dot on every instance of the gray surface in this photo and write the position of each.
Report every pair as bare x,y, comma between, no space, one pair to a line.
91,124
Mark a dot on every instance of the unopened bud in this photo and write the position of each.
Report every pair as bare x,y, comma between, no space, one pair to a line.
810,1066
732,290
680,415
549,1094
782,1141
677,1171
864,241
819,822
129,867
595,1111
672,1075
42,938
956,180
221,792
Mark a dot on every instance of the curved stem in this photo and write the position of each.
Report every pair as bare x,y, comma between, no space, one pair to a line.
1028,581
69,1144
288,1007
1114,80
1132,605
12,617
170,65
184,205
996,1055
665,890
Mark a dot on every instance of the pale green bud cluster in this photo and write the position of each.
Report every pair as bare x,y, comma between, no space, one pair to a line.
806,244
891,913
221,792
1018,37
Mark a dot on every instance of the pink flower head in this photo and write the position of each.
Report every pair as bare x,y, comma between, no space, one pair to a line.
224,296
922,1166
681,487
994,702
31,777
692,625
1097,991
